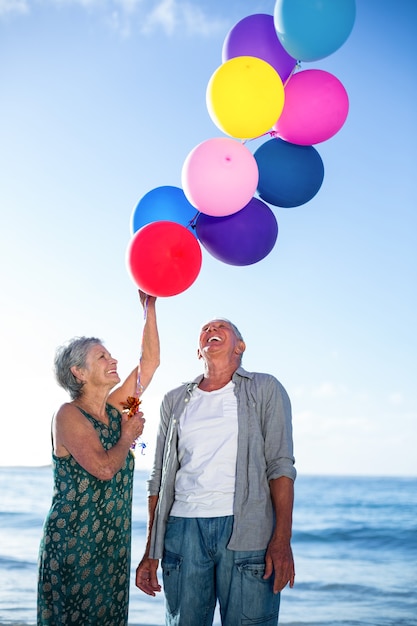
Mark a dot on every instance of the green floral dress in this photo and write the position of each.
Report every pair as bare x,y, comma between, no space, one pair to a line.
84,557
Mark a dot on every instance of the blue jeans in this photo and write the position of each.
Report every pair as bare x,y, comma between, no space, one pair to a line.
198,570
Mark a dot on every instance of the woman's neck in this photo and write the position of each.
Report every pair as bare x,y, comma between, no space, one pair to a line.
96,407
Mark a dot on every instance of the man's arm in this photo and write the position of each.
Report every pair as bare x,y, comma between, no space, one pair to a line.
279,557
146,576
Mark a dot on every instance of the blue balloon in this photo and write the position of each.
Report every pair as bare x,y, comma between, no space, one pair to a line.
242,238
289,174
313,29
164,204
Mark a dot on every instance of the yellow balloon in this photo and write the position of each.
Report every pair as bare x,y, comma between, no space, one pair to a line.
245,97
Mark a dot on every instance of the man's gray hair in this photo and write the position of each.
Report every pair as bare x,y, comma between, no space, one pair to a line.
234,327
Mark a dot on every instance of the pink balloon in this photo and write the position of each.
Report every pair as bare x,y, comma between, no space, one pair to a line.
316,107
220,176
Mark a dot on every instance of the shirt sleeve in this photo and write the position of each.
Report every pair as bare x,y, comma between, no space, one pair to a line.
277,426
154,481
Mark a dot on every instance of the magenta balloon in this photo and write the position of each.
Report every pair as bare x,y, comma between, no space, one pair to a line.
219,176
316,107
243,238
256,36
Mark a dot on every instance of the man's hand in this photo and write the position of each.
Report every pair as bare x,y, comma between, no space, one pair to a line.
279,560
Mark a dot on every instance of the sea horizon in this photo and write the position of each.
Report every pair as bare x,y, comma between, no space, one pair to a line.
299,472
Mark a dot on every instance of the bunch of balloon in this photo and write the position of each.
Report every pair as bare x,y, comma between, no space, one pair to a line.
220,176
258,91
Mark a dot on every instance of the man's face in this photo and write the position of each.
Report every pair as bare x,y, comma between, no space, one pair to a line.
218,336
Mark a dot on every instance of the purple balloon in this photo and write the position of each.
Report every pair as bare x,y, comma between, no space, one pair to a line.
256,36
242,238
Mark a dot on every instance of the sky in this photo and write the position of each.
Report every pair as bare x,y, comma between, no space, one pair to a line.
101,102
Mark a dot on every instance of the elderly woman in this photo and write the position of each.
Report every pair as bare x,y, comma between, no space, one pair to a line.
84,559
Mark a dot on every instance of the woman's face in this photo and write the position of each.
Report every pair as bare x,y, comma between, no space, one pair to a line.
100,368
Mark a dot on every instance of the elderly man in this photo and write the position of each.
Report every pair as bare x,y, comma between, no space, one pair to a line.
221,492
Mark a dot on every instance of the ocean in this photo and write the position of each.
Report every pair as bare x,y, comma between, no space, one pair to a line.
354,543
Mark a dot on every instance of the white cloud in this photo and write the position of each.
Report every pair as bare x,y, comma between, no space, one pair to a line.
128,6
87,4
170,16
197,22
164,15
174,16
8,7
328,390
396,398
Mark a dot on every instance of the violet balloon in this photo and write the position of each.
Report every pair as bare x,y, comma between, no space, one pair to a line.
316,107
255,36
289,175
242,238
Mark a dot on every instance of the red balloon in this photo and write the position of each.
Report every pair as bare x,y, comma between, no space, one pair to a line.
163,258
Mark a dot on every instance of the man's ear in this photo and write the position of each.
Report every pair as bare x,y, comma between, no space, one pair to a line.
241,347
199,355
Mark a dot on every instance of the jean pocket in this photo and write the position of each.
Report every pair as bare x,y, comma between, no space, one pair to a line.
259,603
171,575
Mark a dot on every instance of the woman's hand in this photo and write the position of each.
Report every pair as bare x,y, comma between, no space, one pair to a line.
145,298
132,427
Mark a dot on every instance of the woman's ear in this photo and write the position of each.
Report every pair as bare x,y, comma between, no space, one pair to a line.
77,372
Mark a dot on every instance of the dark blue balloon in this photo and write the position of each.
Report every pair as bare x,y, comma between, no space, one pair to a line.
164,204
242,238
289,174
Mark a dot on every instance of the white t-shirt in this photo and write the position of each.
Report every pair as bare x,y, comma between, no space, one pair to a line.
207,449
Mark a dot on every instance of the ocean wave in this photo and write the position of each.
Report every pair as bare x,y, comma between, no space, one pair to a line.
10,563
369,537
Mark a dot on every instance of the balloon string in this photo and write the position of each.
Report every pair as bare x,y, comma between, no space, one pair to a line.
139,387
296,67
273,133
193,221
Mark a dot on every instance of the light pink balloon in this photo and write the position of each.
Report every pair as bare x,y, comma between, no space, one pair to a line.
220,176
315,109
